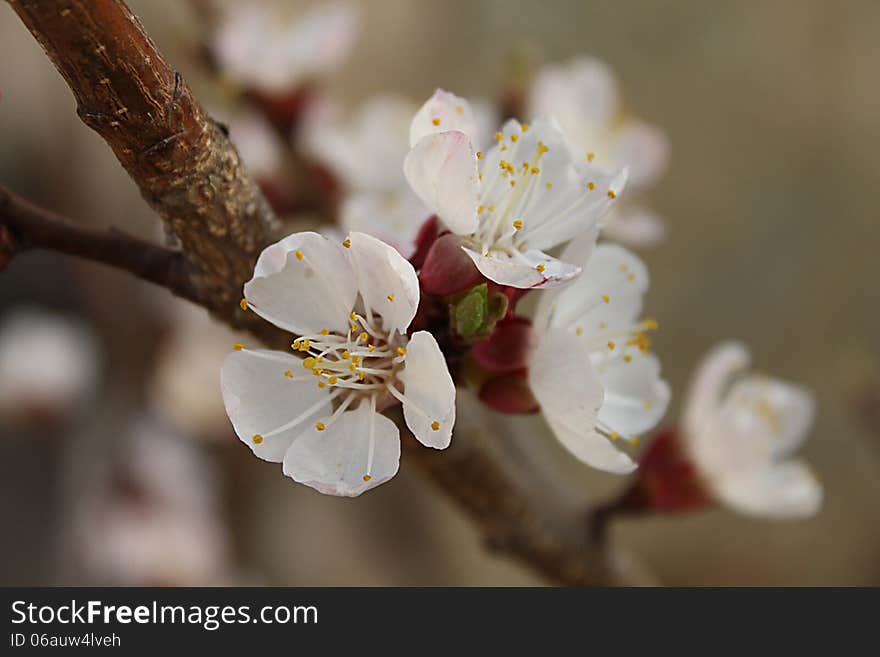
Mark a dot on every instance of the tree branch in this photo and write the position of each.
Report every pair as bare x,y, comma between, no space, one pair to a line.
185,166
191,175
33,227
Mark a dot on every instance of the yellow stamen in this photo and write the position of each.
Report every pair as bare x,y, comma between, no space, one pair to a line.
549,184
611,194
325,332
238,346
525,127
367,477
288,374
390,297
309,363
435,121
590,157
401,351
320,426
298,254
479,155
610,345
606,298
591,186
257,439
435,425
347,243
540,268
518,224
243,304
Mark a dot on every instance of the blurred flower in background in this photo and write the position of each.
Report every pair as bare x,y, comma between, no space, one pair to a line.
49,367
583,96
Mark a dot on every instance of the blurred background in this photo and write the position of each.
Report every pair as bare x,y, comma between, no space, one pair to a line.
121,467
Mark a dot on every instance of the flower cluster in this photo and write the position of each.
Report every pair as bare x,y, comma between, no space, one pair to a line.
452,217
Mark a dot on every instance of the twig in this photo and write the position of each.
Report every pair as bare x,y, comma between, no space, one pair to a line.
33,227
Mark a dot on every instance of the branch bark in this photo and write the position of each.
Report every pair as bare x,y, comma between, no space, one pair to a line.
33,227
186,168
190,173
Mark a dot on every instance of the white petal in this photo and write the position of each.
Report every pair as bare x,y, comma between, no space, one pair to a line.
259,398
606,297
780,413
368,149
393,217
535,177
703,399
335,461
429,388
644,149
442,171
788,490
303,295
442,112
387,282
634,226
521,271
563,381
576,252
636,398
582,95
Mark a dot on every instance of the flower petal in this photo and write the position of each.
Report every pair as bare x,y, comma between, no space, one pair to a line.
303,284
636,398
394,217
388,283
564,383
703,399
643,148
357,452
533,176
522,271
430,392
606,297
787,490
442,171
442,112
634,226
581,94
259,399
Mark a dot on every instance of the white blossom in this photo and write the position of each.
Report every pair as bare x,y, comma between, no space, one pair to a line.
525,195
350,305
742,430
592,370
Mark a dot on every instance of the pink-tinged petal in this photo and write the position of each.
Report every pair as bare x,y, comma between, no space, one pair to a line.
388,283
447,269
787,490
430,393
356,452
442,171
634,226
259,399
509,393
564,383
508,349
303,284
529,270
443,112
643,148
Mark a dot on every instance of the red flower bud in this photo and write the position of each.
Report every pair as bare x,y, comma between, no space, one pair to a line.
509,393
447,268
428,234
508,348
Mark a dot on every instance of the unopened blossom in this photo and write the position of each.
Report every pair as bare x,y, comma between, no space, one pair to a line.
317,410
48,365
583,96
741,430
265,48
528,193
366,151
592,370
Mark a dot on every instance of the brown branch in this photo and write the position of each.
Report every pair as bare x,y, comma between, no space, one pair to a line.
186,168
33,227
191,175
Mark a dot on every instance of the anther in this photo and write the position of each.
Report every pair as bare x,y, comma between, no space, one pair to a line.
298,254
367,477
320,426
611,194
390,297
435,121
540,268
606,298
257,439
518,224
590,157
288,374
435,425
347,243
238,346
401,351
591,186
243,304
